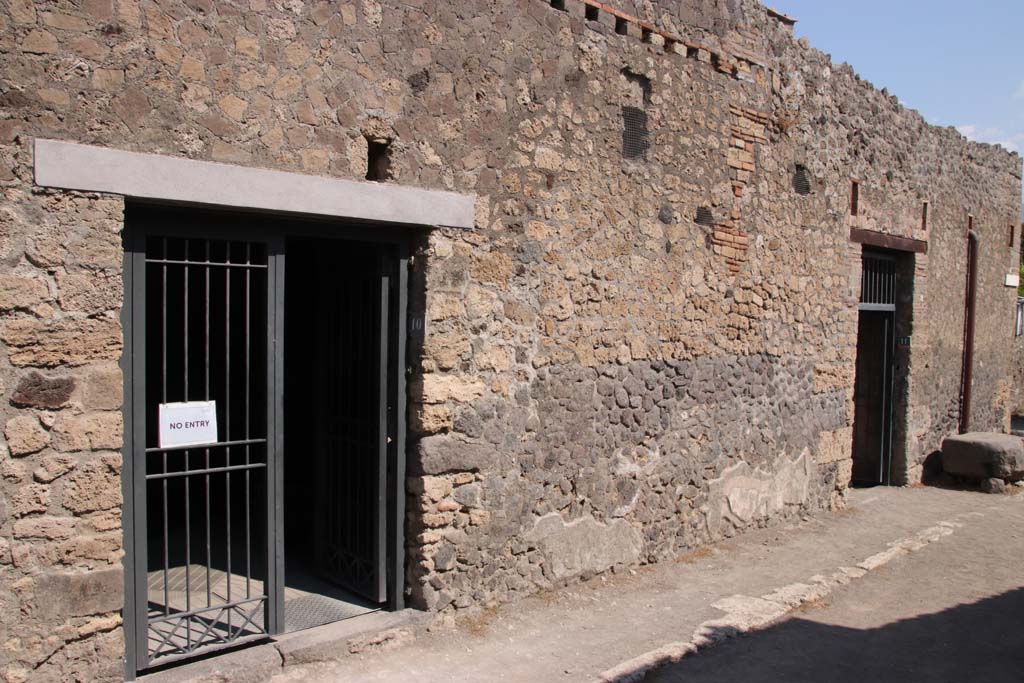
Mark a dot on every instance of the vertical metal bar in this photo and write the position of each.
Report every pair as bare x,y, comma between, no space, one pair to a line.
875,282
892,283
397,588
869,271
877,276
248,333
380,533
346,440
889,298
862,300
970,305
227,424
884,277
187,454
878,282
352,430
888,283
868,279
359,429
134,483
275,302
206,394
127,450
881,282
345,320
891,349
163,398
885,400
892,286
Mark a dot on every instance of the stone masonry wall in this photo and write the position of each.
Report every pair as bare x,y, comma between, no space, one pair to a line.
60,493
646,344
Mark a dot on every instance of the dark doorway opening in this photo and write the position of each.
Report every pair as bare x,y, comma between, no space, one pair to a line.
878,396
335,434
305,472
872,423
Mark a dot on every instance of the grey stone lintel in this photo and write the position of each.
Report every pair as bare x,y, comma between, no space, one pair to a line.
88,168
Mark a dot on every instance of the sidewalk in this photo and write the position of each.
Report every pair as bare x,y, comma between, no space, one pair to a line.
952,611
617,628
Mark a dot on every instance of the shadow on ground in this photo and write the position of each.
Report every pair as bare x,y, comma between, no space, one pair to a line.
983,641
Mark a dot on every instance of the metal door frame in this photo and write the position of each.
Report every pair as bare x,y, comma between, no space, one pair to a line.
273,229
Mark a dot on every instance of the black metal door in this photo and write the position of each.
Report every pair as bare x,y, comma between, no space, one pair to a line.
351,349
201,328
873,385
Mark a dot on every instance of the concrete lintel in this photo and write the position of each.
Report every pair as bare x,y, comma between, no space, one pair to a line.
72,166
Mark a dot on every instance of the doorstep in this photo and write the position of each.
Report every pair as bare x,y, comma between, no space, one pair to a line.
332,642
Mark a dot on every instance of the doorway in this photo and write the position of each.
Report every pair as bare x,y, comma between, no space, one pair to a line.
874,383
335,476
287,513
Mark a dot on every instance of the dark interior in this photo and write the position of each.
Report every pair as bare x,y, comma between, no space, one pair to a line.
204,342
206,332
872,423
332,416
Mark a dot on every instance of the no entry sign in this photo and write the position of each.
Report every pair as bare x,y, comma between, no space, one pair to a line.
188,424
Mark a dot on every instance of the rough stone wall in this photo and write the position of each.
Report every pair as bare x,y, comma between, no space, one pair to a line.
629,357
60,493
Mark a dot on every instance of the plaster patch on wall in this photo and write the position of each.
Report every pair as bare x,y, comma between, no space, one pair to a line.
743,495
583,545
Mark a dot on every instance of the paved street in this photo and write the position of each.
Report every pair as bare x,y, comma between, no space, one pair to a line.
906,584
953,611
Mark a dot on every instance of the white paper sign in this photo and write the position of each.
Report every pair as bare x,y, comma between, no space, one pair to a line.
1013,280
188,424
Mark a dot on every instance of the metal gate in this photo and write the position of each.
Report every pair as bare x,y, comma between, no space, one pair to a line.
201,330
352,348
873,387
204,322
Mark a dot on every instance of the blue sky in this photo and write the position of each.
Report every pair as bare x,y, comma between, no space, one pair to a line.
958,63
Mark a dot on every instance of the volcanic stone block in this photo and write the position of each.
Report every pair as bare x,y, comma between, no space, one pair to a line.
443,453
69,594
984,455
38,391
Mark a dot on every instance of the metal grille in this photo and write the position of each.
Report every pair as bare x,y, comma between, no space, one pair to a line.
801,180
635,137
705,216
348,497
878,283
206,507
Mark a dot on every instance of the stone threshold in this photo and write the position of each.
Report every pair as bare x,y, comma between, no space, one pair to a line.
259,663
